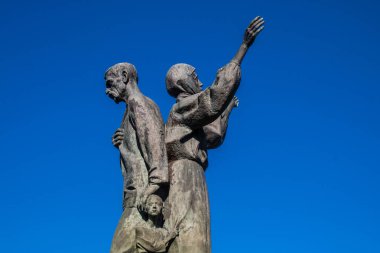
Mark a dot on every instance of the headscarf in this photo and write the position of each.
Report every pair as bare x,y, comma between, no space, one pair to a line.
179,79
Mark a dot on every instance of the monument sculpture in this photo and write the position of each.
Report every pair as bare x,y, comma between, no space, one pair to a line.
163,165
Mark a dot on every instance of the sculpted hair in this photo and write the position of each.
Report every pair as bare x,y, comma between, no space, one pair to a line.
118,68
155,196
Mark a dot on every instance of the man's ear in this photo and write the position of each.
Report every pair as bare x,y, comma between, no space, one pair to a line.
124,77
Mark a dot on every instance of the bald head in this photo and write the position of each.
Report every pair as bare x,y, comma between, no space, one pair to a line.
118,69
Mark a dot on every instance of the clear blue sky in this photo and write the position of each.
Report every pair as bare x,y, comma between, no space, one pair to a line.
298,172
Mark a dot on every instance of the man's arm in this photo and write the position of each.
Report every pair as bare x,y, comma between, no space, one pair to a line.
149,128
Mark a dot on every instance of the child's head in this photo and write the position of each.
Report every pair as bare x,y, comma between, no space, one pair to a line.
154,205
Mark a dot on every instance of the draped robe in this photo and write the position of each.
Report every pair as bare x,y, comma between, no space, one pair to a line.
196,123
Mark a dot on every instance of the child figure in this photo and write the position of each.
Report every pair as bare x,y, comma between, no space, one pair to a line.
154,206
148,240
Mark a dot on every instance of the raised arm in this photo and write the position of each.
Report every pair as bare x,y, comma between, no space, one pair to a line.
254,28
203,109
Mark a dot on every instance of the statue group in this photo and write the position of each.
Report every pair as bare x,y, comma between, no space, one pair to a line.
165,199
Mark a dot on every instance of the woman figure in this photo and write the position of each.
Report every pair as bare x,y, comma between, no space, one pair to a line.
197,122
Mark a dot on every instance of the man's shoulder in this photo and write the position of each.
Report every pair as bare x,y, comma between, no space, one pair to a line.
144,108
150,102
142,101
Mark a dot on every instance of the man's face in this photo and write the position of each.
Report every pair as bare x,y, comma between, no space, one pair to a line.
115,87
154,205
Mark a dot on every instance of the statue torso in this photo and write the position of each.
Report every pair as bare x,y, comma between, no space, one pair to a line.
133,167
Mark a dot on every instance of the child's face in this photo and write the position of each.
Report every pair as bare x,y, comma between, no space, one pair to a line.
154,205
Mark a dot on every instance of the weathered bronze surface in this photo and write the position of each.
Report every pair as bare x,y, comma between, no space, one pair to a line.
165,199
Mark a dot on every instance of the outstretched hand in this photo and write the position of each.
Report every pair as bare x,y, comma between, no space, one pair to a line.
254,28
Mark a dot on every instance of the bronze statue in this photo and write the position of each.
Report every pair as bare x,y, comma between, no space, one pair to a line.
197,122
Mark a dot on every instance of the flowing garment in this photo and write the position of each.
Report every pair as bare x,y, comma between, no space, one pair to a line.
195,124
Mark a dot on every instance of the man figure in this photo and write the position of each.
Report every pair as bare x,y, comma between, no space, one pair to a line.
143,158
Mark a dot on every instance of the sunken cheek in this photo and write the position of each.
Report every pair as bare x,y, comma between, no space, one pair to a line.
119,85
